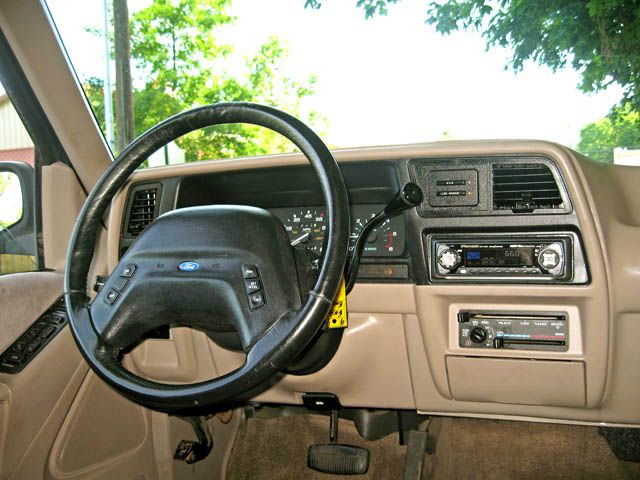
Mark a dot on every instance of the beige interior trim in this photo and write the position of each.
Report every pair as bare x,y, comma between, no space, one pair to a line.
60,188
117,430
26,24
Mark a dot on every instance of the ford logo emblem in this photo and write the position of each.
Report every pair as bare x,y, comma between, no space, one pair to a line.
189,266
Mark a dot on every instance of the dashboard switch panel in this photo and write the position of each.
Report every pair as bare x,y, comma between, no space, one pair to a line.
453,188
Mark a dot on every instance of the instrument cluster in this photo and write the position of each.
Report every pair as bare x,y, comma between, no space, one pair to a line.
307,226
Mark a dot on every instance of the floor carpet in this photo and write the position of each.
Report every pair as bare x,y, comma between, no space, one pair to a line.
467,449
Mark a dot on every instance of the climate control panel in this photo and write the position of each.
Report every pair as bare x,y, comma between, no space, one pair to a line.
548,331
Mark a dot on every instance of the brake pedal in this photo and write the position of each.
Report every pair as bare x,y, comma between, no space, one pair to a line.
338,459
334,458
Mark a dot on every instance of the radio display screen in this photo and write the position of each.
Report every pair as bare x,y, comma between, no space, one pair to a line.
498,257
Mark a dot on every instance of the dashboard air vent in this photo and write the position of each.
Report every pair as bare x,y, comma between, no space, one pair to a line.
142,210
524,187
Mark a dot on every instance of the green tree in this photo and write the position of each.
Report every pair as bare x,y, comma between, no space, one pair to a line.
180,64
598,38
598,139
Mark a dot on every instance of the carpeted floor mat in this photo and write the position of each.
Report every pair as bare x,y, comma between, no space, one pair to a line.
467,449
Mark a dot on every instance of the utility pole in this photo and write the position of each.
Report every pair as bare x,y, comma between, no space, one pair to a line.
108,107
124,88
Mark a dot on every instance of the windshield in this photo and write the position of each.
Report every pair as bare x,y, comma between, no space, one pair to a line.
360,73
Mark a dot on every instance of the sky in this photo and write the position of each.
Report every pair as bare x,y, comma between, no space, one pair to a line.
387,80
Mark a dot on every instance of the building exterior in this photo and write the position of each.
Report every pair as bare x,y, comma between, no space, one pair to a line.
15,143
625,156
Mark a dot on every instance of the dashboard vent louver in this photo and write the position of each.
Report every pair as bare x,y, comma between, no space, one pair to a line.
523,188
142,210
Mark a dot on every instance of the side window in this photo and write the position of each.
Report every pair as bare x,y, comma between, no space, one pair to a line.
17,217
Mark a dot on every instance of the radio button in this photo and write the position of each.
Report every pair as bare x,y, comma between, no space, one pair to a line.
549,259
449,259
478,335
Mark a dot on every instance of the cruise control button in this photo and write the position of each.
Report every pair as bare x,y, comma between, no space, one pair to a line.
128,271
252,286
120,283
256,300
111,296
250,271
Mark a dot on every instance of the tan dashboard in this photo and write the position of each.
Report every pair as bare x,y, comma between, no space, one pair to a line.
403,348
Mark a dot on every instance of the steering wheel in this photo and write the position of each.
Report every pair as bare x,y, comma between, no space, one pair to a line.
197,266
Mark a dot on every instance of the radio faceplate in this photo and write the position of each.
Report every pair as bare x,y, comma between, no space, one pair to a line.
506,258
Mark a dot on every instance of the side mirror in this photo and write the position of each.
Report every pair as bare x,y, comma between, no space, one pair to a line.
17,218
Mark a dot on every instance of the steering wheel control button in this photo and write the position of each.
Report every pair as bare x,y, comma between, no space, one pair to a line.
250,271
128,271
256,300
120,283
252,286
111,296
189,266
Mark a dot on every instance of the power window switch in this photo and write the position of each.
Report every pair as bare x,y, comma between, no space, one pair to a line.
33,346
47,332
58,319
256,300
15,358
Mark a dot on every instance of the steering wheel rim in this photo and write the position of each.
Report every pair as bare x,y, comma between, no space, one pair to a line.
276,347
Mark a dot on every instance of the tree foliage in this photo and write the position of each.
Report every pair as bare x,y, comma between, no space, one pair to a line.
180,64
598,139
371,7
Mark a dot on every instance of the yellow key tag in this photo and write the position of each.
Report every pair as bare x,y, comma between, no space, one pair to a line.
338,315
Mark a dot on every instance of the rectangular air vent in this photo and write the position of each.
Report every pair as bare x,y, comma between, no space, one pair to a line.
143,208
525,187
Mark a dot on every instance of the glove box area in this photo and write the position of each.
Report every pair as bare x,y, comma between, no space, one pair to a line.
517,381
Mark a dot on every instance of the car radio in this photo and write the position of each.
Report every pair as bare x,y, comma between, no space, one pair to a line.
502,257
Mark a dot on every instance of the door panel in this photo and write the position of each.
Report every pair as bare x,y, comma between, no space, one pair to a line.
117,431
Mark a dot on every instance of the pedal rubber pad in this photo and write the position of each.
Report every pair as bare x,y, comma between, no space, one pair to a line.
338,459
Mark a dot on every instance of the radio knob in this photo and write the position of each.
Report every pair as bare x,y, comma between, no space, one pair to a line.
449,259
478,335
548,259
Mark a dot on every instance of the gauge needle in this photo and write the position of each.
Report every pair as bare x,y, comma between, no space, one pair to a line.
301,239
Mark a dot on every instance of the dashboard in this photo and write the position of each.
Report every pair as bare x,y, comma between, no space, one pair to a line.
491,298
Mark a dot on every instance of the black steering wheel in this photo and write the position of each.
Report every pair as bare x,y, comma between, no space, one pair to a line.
197,267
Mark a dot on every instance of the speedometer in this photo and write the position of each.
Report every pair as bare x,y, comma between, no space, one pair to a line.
306,227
